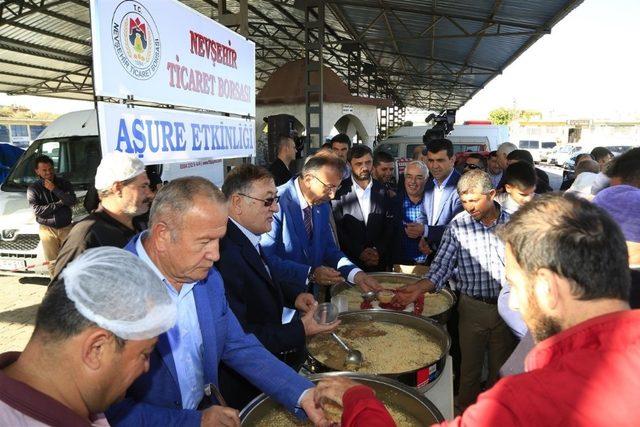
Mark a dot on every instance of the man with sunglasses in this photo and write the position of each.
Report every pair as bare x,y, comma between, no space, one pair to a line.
475,161
301,232
252,283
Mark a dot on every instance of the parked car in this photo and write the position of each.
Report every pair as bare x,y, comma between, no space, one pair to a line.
568,167
532,147
546,148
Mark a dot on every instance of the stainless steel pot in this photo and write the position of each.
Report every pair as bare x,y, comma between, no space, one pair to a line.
404,279
422,378
408,400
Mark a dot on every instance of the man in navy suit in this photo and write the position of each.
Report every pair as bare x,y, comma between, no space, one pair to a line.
188,218
301,232
363,214
254,291
441,201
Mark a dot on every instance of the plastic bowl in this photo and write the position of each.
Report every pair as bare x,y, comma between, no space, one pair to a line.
385,296
326,313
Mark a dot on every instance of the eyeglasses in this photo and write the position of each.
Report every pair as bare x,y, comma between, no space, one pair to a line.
267,202
328,187
471,166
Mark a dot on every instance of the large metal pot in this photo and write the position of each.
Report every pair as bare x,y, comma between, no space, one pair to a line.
387,390
422,378
404,279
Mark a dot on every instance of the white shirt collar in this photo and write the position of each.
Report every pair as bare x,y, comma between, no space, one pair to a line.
359,189
440,187
142,254
253,238
301,199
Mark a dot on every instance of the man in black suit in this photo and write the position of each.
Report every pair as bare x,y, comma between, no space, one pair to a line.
286,154
251,283
363,214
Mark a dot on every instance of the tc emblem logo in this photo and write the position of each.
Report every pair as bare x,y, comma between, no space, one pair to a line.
136,39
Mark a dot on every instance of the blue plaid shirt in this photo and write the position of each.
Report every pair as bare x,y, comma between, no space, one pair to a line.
476,252
411,213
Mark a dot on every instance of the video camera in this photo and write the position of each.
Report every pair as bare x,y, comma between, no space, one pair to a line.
443,125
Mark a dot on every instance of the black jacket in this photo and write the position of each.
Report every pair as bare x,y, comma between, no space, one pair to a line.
96,230
280,172
257,301
353,234
52,208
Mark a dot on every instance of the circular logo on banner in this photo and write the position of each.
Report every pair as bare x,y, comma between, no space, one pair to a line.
136,40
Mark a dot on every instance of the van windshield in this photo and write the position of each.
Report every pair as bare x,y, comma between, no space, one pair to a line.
75,159
392,149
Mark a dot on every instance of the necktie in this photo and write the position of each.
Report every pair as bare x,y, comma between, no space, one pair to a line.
264,259
308,226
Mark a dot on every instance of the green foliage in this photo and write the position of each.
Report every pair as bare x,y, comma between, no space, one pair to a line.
504,116
501,116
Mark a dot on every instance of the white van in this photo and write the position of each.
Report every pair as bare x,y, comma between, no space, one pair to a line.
73,144
464,138
539,150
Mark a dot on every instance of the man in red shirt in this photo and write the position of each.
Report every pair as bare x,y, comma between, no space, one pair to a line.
567,263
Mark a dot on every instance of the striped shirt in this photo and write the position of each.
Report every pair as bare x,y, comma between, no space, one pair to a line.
476,252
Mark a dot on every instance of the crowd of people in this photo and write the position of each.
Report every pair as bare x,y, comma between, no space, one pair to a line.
166,294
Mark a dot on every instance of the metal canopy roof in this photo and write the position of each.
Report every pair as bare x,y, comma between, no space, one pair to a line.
430,54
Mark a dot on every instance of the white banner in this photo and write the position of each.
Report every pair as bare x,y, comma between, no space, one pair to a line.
163,51
160,135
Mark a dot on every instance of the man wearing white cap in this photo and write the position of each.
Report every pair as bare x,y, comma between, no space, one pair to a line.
94,332
123,188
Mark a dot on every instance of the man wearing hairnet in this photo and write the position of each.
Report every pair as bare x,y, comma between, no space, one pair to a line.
123,188
188,217
95,329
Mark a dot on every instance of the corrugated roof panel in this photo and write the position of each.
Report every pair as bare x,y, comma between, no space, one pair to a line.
23,58
431,72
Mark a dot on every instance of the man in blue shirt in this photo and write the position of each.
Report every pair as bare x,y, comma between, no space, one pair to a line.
471,246
409,202
187,220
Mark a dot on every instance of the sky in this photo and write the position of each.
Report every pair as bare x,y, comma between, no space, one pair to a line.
588,67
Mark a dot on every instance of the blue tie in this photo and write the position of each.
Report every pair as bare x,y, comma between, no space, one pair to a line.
308,226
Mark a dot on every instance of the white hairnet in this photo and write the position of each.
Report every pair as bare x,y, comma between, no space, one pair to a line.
119,292
116,167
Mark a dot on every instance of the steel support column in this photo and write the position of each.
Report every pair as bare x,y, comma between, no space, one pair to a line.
392,117
354,69
313,61
382,123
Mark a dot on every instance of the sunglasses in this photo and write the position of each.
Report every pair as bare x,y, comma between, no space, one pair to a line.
267,202
471,166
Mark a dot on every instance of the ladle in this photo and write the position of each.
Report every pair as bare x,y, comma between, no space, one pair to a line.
354,357
369,296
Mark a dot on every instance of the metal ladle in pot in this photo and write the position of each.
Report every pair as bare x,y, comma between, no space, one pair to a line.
354,357
369,296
